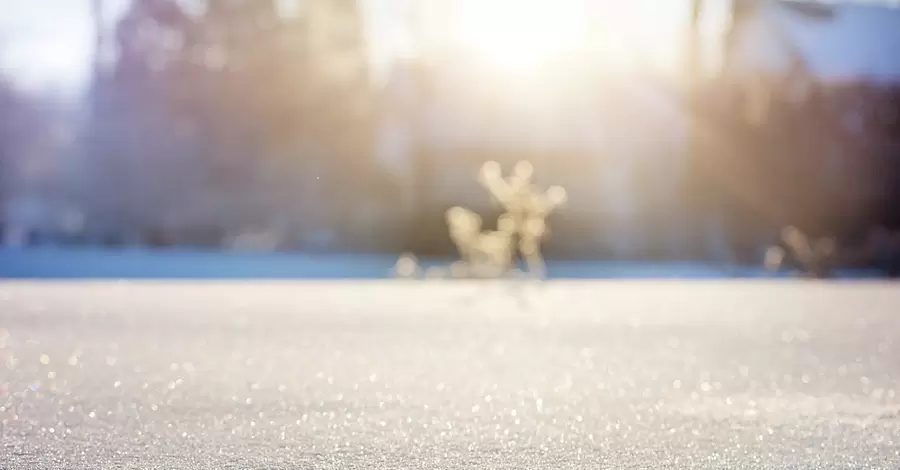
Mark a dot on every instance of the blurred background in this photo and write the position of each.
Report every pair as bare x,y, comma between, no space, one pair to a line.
683,130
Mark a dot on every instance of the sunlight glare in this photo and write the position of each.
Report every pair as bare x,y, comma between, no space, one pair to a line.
520,35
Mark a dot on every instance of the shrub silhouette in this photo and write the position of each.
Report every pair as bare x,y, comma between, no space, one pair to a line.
520,229
812,257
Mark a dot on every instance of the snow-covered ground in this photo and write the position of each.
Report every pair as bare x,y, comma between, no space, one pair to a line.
578,374
59,263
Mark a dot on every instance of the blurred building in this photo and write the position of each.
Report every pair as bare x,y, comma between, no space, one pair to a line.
800,118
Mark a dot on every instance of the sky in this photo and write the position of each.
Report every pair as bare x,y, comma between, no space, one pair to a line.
49,43
45,41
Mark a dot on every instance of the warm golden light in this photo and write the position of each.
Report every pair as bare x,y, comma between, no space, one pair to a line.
520,35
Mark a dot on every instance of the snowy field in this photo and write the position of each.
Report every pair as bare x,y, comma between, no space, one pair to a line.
749,374
55,263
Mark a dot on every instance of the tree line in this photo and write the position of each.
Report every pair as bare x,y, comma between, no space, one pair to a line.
206,120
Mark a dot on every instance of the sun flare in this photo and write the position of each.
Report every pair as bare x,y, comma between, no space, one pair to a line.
520,35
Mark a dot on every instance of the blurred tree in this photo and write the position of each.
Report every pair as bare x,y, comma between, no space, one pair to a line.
33,138
285,86
7,97
748,171
697,184
203,114
342,102
135,144
249,89
8,107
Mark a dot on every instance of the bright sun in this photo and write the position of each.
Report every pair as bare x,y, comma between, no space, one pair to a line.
520,35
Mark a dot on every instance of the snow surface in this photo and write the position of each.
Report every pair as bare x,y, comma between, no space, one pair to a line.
750,374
